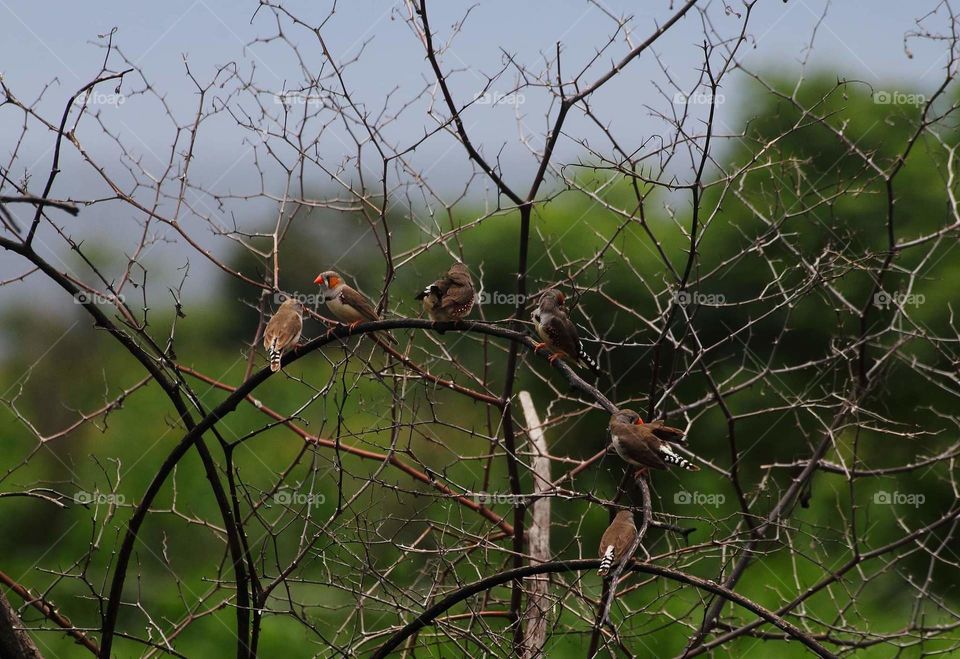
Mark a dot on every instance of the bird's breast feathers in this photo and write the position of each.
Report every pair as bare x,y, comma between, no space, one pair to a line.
343,310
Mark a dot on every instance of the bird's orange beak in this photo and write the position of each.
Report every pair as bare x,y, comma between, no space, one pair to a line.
318,280
638,422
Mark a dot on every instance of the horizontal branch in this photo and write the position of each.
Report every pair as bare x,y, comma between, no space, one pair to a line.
31,199
478,327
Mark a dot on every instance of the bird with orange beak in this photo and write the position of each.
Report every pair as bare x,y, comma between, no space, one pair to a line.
347,304
646,445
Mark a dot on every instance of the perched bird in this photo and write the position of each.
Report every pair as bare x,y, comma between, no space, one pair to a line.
646,445
558,332
345,303
451,297
616,542
283,331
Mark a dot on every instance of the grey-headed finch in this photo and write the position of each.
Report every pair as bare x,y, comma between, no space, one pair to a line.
451,297
558,332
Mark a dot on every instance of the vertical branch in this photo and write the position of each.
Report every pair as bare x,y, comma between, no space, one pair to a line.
538,537
610,583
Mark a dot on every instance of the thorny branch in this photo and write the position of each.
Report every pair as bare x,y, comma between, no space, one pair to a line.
758,281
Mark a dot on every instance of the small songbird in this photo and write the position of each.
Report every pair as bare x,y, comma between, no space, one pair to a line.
283,331
347,304
451,297
558,332
617,541
646,445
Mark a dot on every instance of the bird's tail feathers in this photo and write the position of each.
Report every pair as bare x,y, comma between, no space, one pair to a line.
275,355
673,458
589,362
429,290
606,562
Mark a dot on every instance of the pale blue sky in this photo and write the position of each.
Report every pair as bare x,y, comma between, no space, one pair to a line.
55,43
43,41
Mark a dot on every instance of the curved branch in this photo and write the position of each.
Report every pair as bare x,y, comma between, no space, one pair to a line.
558,567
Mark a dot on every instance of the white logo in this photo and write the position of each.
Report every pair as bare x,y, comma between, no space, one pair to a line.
885,498
287,498
883,300
496,98
698,98
683,498
93,97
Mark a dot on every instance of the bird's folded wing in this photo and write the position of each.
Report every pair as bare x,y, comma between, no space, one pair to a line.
360,303
283,329
639,448
563,335
457,297
666,433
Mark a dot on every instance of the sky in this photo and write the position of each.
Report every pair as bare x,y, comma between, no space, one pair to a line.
57,42
51,49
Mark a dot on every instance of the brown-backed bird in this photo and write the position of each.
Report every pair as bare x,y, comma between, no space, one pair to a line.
557,331
451,297
346,303
616,542
646,445
283,331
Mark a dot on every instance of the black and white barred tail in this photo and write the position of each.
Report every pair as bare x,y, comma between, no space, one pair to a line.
670,457
588,361
606,561
430,290
275,354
